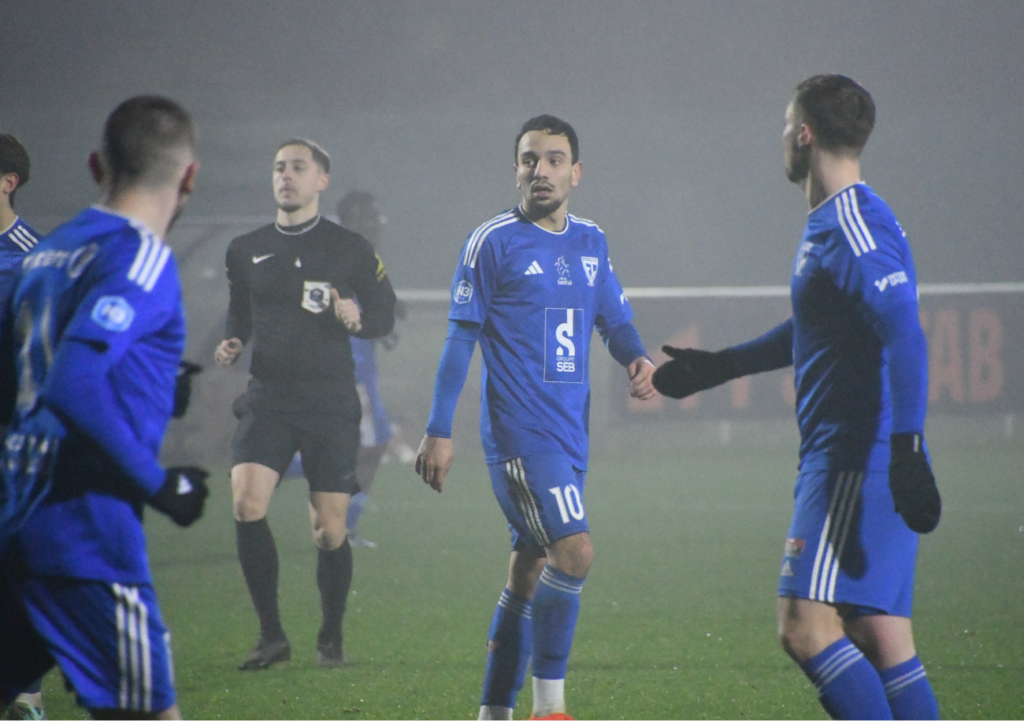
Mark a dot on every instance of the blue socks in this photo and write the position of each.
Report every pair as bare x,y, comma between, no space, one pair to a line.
514,636
510,646
848,685
355,508
909,693
556,604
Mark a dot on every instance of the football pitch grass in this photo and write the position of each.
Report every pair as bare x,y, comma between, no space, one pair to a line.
677,617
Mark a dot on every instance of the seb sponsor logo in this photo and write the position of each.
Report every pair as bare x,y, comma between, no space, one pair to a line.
564,345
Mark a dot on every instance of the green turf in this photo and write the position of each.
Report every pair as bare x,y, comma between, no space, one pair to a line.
677,618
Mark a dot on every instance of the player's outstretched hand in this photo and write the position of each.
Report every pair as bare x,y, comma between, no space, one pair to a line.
641,371
434,460
347,311
228,351
912,483
691,371
183,494
183,386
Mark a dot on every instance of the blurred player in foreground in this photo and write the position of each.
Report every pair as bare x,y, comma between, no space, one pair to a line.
99,333
16,239
357,211
292,287
855,339
531,285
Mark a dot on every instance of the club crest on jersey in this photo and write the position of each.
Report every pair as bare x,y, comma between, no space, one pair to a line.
563,271
113,313
801,257
463,292
316,296
590,268
794,548
564,346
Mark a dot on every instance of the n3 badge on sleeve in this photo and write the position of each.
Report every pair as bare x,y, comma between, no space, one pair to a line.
565,348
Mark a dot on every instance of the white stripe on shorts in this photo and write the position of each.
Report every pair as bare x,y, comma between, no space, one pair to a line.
133,650
525,501
834,533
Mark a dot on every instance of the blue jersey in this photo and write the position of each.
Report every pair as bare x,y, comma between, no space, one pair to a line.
854,294
99,333
14,243
375,429
537,296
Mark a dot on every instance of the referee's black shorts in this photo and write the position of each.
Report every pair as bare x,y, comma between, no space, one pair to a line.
328,443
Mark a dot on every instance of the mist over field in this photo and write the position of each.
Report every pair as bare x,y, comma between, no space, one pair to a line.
679,110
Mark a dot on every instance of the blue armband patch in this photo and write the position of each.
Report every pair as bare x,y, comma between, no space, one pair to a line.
113,313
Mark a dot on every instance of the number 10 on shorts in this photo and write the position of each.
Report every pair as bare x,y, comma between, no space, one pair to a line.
569,502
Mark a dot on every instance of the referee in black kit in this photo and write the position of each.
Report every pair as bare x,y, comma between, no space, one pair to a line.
292,287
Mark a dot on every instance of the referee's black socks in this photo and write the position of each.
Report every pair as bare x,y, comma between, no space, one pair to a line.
334,577
258,556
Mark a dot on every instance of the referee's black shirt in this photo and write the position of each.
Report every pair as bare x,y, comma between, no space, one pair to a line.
280,280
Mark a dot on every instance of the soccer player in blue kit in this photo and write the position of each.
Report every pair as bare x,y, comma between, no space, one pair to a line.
16,239
530,287
99,332
865,488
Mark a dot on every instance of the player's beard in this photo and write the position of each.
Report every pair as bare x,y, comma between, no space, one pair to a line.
536,209
798,164
289,207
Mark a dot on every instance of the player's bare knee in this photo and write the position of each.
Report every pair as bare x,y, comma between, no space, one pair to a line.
794,641
328,531
247,509
329,539
572,555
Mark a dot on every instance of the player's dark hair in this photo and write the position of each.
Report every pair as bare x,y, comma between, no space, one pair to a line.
353,202
839,111
552,126
14,159
145,140
320,156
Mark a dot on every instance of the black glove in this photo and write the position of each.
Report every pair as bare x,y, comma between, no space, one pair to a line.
912,484
183,386
691,371
183,494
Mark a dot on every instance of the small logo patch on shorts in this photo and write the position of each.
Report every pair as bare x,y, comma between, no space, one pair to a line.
794,547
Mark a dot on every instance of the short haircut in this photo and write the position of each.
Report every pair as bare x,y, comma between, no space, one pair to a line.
320,156
839,111
353,202
14,159
145,141
552,126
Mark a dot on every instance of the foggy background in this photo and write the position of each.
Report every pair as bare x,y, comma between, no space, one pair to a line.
678,105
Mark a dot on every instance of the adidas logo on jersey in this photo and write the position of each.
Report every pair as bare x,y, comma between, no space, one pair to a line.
534,269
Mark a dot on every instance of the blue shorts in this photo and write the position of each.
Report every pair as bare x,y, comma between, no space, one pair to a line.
846,544
107,638
542,497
